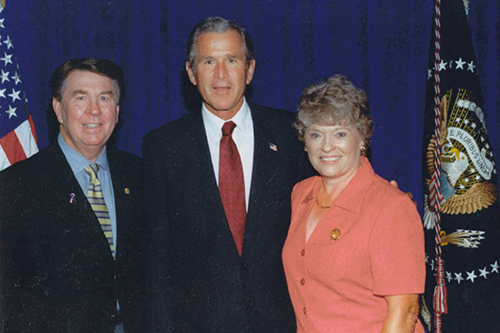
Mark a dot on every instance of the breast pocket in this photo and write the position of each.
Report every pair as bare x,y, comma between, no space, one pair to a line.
339,259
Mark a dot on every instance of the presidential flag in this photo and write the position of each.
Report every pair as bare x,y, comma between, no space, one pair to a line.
461,217
17,130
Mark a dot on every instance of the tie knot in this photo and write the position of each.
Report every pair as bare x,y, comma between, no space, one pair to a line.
228,128
92,170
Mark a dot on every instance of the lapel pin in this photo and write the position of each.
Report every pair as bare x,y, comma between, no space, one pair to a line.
72,198
335,235
126,190
273,147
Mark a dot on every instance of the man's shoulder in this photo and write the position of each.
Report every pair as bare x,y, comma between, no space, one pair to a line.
30,173
124,165
273,120
176,130
172,131
32,165
123,156
272,114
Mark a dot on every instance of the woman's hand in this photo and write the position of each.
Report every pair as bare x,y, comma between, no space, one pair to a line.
402,314
408,194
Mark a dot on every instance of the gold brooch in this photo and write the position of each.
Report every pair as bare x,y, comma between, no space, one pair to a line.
335,235
127,190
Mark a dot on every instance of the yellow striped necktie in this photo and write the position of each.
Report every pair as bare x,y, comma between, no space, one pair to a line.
96,200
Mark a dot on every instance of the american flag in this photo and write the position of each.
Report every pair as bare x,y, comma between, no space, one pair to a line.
17,130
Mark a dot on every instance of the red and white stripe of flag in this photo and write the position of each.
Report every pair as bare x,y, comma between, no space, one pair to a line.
19,144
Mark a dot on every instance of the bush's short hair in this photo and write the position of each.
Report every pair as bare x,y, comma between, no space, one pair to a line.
99,66
334,102
218,25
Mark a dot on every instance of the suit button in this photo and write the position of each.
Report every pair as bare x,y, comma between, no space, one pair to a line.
303,252
304,310
303,281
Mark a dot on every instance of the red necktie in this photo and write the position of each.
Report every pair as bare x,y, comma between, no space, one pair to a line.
232,185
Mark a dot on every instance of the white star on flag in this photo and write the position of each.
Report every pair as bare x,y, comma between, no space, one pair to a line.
460,63
8,42
15,95
471,276
471,66
442,65
7,59
16,78
483,272
11,111
458,277
5,76
494,267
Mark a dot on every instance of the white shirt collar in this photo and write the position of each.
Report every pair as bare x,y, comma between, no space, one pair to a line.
213,124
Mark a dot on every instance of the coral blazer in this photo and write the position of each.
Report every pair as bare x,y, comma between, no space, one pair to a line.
368,245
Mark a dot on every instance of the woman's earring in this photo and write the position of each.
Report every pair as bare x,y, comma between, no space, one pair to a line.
305,149
363,148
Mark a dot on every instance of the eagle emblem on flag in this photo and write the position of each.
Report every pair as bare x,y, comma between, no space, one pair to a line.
466,156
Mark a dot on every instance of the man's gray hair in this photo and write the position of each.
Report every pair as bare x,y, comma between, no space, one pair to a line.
218,25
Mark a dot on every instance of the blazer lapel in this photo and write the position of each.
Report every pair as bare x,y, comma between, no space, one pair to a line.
68,196
125,200
199,151
265,169
265,160
206,182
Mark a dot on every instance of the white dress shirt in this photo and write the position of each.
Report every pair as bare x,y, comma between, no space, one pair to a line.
243,137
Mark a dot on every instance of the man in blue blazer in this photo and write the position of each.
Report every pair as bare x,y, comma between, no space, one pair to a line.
203,275
60,269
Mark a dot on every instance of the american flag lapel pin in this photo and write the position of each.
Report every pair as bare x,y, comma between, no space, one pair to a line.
273,147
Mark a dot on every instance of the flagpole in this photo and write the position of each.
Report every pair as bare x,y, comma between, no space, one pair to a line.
435,195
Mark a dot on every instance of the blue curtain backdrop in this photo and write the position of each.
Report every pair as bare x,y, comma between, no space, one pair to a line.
381,45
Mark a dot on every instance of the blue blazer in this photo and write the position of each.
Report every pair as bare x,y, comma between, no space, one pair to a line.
199,282
56,269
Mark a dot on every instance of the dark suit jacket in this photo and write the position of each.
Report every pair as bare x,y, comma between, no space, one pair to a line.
199,282
56,269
